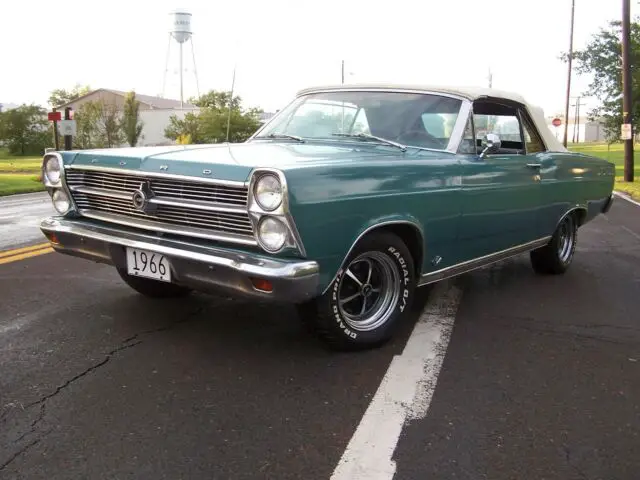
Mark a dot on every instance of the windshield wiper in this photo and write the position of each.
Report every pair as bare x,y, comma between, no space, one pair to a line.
282,135
372,137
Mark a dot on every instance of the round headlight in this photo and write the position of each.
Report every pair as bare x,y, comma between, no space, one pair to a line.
272,233
61,201
268,192
52,169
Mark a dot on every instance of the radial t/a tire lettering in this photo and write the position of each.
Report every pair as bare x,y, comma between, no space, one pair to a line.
369,296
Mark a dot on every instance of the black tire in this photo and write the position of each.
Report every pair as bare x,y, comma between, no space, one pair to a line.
556,257
153,288
386,261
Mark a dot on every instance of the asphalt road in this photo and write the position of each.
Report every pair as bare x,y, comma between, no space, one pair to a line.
20,216
540,378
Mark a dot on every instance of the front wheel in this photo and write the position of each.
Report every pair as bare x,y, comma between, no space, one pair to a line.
370,294
556,257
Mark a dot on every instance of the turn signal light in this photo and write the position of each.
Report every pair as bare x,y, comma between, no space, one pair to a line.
262,284
53,238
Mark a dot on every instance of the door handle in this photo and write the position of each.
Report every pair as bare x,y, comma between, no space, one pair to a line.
534,165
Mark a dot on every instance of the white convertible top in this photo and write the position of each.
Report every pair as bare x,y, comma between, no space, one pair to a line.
470,93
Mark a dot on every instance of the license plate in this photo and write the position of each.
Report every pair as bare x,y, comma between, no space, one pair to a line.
142,263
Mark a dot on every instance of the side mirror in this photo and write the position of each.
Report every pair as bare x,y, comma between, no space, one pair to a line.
490,144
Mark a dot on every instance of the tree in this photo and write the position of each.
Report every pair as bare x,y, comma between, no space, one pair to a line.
60,96
25,130
602,59
131,123
187,126
216,100
109,125
87,132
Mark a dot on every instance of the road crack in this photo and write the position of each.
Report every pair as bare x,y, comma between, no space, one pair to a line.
35,427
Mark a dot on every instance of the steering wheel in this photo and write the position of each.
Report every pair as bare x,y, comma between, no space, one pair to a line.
420,135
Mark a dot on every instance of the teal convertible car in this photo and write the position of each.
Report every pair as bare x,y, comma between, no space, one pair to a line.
345,202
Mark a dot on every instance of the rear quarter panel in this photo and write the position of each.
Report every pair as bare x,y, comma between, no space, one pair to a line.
571,180
333,204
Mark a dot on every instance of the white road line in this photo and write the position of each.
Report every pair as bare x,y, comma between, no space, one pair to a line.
626,197
404,393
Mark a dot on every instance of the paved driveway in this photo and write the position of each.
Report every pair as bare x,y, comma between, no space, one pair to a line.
539,378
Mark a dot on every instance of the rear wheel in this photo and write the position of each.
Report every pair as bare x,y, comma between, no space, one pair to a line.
364,304
556,257
153,288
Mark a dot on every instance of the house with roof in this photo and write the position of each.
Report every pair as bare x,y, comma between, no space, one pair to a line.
155,112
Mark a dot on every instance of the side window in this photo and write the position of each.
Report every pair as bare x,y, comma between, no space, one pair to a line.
532,138
490,117
467,145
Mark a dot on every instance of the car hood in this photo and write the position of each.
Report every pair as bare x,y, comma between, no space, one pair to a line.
224,161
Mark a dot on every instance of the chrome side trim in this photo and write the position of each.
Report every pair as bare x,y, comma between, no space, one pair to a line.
480,262
283,212
140,173
369,229
164,228
160,200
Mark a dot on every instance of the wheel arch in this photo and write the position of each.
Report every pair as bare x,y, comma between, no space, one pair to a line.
408,230
579,211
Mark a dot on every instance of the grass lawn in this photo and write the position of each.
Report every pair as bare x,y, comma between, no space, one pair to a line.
11,183
614,153
19,174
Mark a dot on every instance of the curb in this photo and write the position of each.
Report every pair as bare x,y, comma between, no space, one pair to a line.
626,197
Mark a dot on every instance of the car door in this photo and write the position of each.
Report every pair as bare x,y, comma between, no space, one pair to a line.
500,191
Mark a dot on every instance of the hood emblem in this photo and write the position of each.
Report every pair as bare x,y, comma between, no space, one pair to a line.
141,198
206,171
164,167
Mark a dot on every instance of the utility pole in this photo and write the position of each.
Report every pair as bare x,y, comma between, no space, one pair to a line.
67,138
626,90
576,124
566,109
233,83
490,78
343,72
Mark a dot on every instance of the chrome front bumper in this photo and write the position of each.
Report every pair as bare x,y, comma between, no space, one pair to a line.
196,266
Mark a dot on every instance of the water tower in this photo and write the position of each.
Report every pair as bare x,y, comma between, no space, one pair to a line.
181,33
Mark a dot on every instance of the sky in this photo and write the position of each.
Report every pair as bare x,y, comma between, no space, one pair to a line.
281,46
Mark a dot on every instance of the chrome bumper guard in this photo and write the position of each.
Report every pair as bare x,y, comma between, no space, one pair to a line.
202,268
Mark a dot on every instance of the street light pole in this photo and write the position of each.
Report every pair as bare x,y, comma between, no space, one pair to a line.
343,71
626,89
566,109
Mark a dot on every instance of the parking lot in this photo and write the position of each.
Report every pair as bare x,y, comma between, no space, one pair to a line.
539,378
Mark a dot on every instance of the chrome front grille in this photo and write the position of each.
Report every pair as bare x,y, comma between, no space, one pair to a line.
192,208
164,187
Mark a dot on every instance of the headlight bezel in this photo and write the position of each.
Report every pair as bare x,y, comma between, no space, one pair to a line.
293,243
60,185
263,178
58,192
46,161
259,236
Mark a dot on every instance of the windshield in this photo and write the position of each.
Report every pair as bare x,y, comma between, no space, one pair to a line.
413,119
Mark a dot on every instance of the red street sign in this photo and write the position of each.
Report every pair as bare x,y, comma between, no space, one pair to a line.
54,116
556,122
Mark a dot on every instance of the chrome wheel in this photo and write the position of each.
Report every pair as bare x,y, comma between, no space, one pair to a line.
566,239
369,291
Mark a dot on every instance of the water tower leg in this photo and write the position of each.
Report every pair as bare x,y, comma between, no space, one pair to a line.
166,66
195,72
181,91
